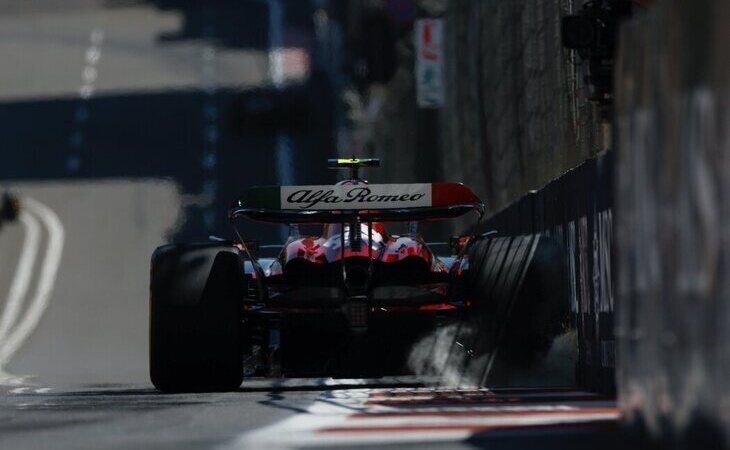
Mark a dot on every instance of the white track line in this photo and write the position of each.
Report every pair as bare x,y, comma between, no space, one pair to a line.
19,286
46,280
23,274
20,390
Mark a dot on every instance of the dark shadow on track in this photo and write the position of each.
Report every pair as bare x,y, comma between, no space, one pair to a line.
330,384
277,400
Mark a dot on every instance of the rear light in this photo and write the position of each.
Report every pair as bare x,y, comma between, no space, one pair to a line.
437,307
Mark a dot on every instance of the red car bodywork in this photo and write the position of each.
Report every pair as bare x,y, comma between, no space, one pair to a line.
341,284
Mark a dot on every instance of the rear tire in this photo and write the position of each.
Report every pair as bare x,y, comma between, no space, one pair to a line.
195,318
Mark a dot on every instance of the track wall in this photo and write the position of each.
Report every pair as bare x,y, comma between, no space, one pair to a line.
516,115
673,211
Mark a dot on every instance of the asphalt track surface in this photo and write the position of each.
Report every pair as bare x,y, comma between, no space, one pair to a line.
308,414
114,133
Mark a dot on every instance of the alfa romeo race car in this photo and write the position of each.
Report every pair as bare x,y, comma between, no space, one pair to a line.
348,300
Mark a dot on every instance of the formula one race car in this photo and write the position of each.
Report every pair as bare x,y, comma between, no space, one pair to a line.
348,301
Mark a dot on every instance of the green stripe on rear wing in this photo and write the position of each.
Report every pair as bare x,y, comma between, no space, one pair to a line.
377,202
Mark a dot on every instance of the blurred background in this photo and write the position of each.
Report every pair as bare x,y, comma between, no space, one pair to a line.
136,123
599,124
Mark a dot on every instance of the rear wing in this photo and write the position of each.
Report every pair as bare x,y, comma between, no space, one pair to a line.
365,202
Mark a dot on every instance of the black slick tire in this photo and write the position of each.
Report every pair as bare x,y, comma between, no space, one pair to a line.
195,318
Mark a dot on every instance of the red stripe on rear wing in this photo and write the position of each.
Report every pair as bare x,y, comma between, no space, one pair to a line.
445,194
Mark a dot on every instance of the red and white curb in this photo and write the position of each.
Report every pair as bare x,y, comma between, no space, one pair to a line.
406,415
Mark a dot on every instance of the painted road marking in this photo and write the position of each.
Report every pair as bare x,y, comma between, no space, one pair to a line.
89,74
29,390
18,327
23,273
371,416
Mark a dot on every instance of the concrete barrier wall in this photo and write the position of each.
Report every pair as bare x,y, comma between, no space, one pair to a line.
516,114
673,211
575,210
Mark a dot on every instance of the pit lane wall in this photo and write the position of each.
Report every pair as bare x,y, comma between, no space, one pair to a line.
575,211
673,211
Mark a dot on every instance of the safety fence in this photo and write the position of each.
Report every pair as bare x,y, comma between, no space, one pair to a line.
575,210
